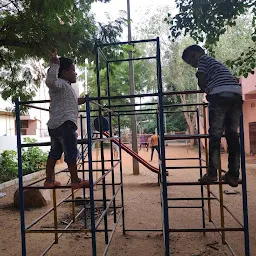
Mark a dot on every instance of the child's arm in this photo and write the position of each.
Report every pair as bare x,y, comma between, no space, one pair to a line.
201,80
81,101
52,80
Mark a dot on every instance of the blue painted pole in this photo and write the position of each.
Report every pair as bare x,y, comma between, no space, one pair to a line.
244,191
82,156
162,150
200,164
20,173
89,135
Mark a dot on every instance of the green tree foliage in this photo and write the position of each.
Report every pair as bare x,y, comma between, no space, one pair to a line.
31,27
144,78
33,160
206,20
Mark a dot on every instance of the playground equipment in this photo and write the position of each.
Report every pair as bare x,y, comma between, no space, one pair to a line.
115,186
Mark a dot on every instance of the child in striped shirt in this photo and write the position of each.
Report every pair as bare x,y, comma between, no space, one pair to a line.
224,95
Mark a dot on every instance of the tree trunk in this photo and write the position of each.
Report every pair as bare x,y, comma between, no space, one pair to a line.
190,121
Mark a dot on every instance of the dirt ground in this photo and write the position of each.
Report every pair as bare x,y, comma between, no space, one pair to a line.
142,211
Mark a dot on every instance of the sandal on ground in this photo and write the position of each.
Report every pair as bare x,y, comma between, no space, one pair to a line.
80,184
52,184
232,182
207,179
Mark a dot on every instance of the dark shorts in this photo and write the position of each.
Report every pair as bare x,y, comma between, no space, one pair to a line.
64,139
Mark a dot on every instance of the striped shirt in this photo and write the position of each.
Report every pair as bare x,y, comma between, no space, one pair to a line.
218,77
64,102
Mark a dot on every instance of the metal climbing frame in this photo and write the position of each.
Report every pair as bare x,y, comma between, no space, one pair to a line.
164,184
116,183
210,195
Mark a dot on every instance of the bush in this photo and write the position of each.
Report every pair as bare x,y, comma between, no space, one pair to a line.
33,160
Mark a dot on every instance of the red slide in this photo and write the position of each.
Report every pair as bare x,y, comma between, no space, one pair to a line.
135,155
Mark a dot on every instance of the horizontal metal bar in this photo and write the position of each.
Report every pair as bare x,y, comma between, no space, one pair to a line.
185,105
127,42
185,136
31,106
57,231
42,187
185,207
34,102
87,170
138,113
130,59
127,96
183,158
143,230
183,92
204,229
133,105
194,183
84,200
80,141
99,161
136,110
191,198
180,111
184,167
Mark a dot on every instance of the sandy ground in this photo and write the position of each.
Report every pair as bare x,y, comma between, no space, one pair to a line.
142,211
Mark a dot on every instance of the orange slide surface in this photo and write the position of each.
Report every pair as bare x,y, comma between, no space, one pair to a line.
135,155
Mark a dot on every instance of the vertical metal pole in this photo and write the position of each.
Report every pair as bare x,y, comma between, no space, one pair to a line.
55,215
207,164
83,148
111,144
121,173
222,217
102,148
136,170
20,173
244,191
162,150
73,205
89,134
200,164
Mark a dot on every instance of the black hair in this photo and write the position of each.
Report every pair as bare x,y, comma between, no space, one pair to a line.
65,64
192,48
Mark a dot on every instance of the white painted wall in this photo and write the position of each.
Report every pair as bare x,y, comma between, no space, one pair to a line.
10,142
7,125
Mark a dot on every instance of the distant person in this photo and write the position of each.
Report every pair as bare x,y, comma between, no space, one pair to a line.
154,144
115,147
63,118
224,95
144,141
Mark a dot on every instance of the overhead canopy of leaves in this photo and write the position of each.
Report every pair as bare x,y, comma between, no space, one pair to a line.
29,28
206,20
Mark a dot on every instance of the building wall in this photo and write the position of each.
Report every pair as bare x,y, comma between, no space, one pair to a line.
7,125
249,106
248,85
249,110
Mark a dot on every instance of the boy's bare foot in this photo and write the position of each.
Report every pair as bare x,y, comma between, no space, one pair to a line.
79,183
51,184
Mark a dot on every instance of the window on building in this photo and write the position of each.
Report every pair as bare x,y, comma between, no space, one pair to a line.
23,123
